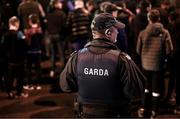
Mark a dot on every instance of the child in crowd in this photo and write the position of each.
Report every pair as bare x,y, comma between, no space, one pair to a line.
14,53
33,40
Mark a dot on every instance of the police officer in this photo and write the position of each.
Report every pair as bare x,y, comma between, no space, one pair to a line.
104,78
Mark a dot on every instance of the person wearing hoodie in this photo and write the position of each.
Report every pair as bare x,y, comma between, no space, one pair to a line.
154,44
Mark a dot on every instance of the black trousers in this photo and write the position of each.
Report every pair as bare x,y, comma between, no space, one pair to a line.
15,71
152,85
33,63
178,88
57,49
177,76
3,71
154,80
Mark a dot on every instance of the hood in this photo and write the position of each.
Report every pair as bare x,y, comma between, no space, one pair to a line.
155,29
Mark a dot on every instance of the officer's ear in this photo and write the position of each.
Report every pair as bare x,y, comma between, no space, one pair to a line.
107,32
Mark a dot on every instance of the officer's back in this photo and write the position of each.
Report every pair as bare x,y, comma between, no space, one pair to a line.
104,78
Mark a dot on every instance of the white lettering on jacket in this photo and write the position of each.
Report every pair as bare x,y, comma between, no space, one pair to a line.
96,72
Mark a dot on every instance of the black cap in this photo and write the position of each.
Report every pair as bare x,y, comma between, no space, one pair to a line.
104,21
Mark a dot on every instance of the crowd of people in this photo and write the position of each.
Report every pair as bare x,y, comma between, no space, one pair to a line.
31,30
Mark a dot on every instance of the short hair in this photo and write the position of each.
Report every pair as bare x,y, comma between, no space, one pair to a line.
13,20
110,8
54,2
104,4
165,2
154,15
121,4
144,4
34,18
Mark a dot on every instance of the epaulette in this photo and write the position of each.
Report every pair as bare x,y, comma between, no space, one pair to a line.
82,50
126,55
72,54
121,54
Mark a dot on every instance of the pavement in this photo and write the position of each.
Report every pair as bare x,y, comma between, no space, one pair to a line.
39,104
47,103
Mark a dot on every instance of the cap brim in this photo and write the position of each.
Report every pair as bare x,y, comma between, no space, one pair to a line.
119,25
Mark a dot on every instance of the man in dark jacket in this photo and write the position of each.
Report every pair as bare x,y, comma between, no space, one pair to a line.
104,78
56,29
138,23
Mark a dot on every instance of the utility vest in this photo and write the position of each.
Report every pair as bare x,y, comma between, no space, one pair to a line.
97,77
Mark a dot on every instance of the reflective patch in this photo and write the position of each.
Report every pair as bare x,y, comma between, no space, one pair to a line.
155,94
73,53
83,50
146,91
128,57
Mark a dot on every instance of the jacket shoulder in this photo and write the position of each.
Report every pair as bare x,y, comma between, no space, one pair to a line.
125,56
115,52
73,54
122,55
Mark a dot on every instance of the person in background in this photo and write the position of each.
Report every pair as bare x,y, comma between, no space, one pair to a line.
34,42
28,7
2,61
164,12
104,78
139,22
175,65
56,20
171,62
121,36
154,44
131,4
14,50
7,10
91,8
78,25
125,16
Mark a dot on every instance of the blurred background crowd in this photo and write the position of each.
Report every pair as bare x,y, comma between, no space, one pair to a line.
32,31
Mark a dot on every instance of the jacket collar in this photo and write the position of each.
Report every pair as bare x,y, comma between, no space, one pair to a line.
101,42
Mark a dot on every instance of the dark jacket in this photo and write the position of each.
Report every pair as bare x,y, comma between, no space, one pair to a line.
56,22
139,22
27,8
129,77
34,38
14,47
78,24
